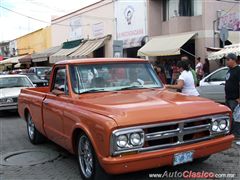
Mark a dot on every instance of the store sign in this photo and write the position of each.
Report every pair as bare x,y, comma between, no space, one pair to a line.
131,21
75,29
98,29
230,21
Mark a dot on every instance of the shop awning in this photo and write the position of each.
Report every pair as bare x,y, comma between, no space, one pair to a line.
67,48
12,60
166,45
18,65
89,46
44,55
234,48
26,59
234,37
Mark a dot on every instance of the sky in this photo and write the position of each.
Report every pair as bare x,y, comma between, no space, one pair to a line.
13,25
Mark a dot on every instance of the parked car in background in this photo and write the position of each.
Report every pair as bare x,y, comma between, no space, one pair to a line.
10,88
212,86
19,71
40,71
117,117
36,80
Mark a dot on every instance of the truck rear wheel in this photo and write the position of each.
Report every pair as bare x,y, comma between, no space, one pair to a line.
34,135
90,169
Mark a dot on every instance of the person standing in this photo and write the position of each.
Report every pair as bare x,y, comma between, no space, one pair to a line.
186,59
232,89
199,69
161,74
206,68
185,81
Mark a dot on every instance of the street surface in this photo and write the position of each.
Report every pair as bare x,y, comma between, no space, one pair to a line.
13,137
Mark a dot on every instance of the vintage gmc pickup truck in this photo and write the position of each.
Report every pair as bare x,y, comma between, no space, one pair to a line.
117,117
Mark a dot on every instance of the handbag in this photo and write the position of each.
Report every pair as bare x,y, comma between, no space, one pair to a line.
236,114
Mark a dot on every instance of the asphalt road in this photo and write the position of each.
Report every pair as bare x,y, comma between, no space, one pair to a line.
63,165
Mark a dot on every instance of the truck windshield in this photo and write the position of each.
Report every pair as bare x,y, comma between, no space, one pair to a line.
113,77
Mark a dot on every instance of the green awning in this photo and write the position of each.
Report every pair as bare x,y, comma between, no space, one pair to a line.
71,44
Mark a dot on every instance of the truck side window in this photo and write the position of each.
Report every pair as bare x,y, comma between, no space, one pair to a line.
60,80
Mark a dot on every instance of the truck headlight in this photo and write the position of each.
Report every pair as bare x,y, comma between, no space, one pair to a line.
135,139
122,141
214,125
220,124
126,140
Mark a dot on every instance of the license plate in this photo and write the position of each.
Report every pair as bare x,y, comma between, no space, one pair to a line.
181,158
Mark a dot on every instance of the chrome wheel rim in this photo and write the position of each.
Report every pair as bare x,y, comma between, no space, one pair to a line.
30,127
85,156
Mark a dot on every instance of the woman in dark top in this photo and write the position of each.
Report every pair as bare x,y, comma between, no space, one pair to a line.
206,67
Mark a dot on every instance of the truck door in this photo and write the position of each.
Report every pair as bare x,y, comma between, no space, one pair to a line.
54,105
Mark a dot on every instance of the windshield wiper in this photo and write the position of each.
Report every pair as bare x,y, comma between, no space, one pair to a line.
137,87
132,87
93,90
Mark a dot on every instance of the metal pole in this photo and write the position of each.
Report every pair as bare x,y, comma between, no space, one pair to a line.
188,52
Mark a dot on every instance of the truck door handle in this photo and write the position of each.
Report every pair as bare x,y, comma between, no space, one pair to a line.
222,84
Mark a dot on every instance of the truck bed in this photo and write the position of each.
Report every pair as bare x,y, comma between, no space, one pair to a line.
32,98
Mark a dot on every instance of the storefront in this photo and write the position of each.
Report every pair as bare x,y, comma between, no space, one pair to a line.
131,25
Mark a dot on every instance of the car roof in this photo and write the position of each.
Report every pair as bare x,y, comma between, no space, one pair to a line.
101,60
12,75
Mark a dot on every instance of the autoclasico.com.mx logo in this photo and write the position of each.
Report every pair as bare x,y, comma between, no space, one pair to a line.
191,174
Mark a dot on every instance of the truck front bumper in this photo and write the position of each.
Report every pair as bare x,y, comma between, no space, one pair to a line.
148,160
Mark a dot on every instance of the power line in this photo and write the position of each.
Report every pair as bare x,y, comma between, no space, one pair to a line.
30,17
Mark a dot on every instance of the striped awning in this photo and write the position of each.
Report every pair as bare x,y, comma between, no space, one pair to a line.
12,60
67,48
166,45
89,46
26,59
234,48
44,55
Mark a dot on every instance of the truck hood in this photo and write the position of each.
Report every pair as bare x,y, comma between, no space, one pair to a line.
10,92
137,107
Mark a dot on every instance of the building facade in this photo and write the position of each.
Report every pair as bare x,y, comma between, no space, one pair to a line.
200,17
34,42
87,24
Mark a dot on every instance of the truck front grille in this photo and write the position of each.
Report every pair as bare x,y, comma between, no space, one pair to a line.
171,134
177,133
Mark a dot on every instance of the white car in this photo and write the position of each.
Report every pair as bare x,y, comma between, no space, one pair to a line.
212,86
10,87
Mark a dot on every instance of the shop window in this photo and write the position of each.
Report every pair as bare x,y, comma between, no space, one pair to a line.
173,8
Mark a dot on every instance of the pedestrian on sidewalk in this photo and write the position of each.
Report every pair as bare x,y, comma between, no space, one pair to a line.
185,81
199,69
186,59
206,68
232,89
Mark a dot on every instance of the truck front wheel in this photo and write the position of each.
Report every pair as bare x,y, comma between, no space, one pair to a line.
90,168
34,135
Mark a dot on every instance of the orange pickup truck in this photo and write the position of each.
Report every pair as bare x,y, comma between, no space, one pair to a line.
117,117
